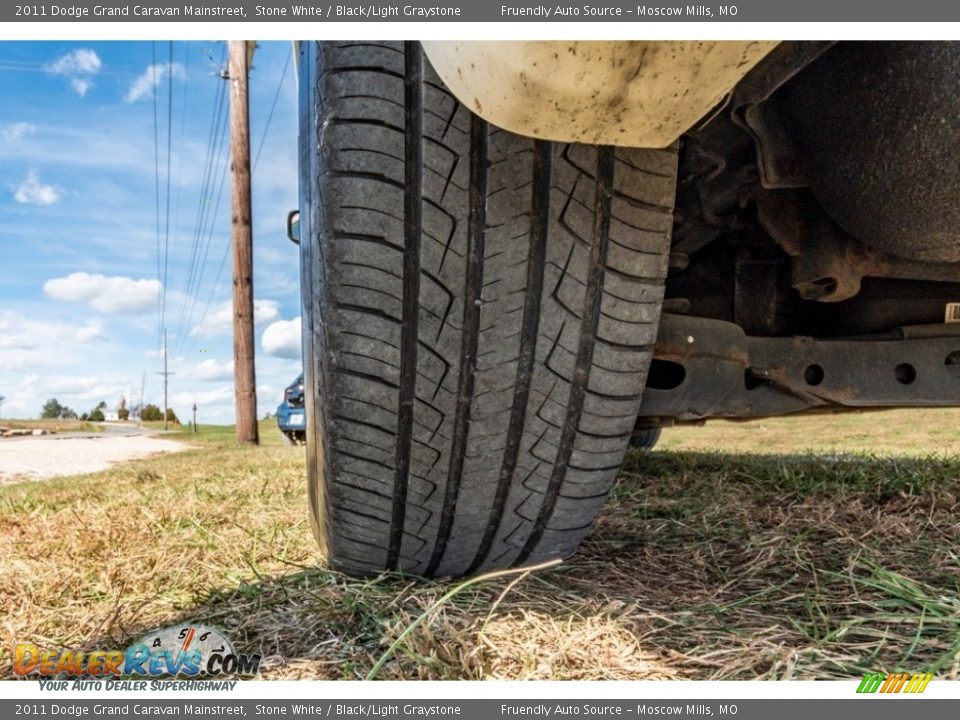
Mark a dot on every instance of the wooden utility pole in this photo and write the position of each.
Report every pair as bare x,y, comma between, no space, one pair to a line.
166,375
245,381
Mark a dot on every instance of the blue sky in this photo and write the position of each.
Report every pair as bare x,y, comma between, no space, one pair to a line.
80,286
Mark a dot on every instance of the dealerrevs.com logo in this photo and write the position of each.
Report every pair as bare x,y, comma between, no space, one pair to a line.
191,651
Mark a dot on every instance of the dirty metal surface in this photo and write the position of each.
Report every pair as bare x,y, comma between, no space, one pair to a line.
636,94
729,374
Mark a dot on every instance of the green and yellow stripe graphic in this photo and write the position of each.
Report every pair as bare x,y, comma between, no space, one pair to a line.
895,683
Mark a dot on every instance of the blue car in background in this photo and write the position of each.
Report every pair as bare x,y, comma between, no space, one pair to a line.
292,415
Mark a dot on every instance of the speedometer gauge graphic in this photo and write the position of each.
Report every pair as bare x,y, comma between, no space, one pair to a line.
178,650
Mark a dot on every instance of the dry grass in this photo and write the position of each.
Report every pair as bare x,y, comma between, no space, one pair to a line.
909,433
53,425
746,565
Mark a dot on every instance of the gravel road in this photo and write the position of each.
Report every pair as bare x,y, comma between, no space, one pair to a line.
46,456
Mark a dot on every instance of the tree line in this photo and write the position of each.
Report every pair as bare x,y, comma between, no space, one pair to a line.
54,410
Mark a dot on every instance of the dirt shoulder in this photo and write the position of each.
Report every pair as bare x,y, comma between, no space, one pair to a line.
38,458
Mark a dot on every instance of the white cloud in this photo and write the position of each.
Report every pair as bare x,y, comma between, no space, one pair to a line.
213,370
282,339
109,392
144,85
205,397
116,294
79,66
91,332
82,392
27,344
20,401
267,393
71,383
81,85
81,61
14,132
34,192
20,333
220,320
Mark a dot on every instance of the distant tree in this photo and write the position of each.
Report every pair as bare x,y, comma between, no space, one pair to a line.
84,417
68,414
102,405
122,411
2,398
52,409
151,412
96,415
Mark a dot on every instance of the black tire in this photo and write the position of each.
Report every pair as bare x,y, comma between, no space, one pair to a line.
647,440
293,437
480,314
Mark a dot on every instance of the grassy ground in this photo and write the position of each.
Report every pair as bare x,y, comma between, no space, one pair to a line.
905,433
762,563
225,434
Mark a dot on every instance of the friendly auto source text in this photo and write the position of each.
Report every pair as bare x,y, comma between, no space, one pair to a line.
548,11
593,709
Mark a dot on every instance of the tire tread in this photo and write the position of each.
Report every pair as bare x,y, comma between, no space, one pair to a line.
485,305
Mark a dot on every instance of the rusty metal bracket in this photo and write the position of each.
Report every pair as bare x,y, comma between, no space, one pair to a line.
723,372
828,264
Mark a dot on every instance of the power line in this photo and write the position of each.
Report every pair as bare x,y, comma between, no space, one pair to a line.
206,252
213,151
183,135
209,240
166,239
273,107
156,168
226,250
213,290
206,218
212,142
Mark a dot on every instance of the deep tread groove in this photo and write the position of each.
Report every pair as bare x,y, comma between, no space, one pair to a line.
536,257
476,229
409,332
588,331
